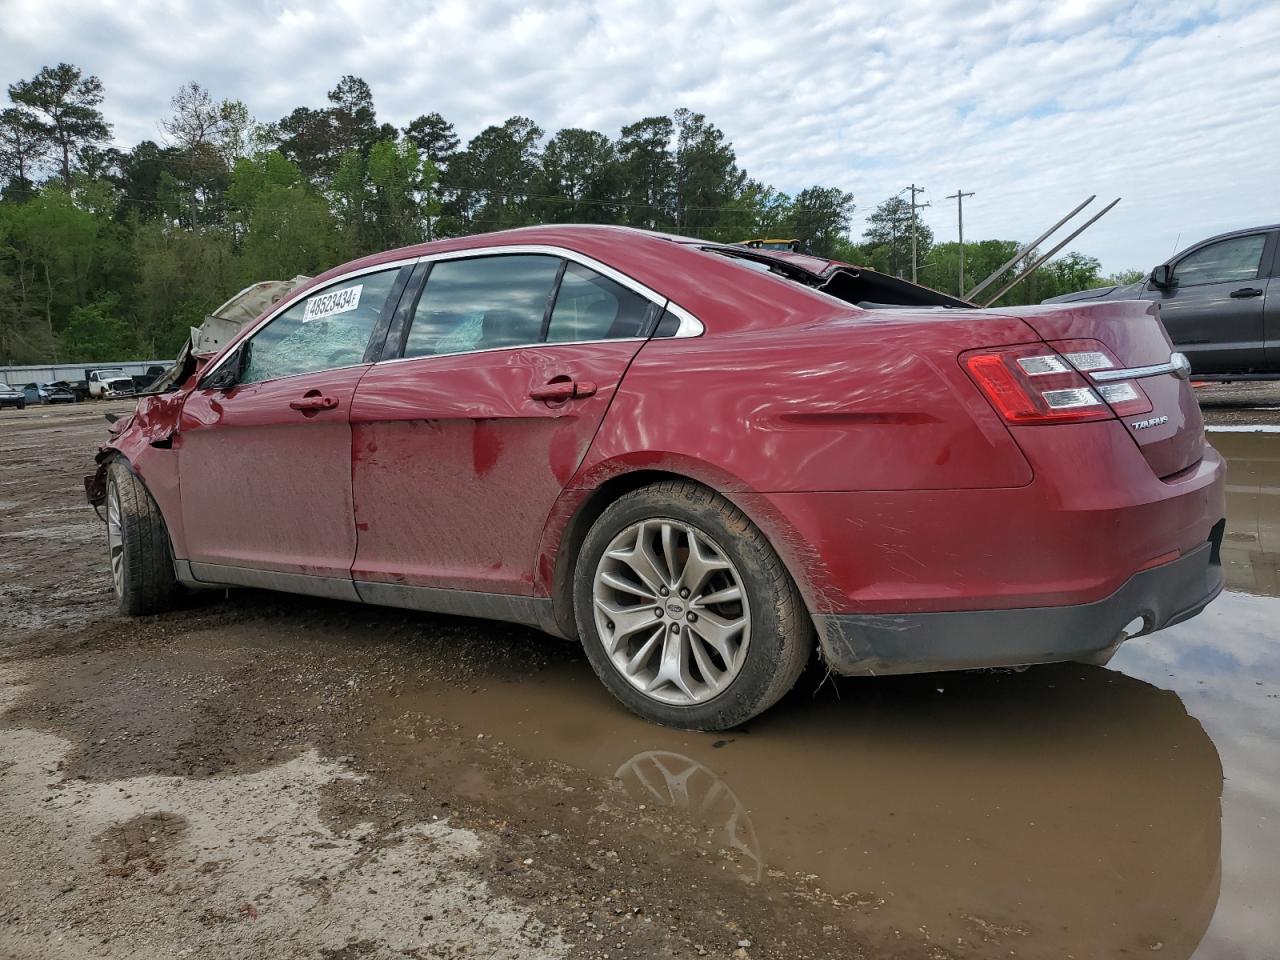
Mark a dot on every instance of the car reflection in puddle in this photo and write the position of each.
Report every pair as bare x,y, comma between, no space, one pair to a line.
1074,809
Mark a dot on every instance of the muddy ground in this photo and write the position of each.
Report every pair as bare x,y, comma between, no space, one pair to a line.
266,776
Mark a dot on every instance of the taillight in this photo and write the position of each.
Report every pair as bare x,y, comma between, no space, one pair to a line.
1125,397
1048,383
1032,384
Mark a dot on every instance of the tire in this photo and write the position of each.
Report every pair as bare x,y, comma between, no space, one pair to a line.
138,546
749,651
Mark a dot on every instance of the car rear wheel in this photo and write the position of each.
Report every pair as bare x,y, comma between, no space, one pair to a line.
138,546
685,611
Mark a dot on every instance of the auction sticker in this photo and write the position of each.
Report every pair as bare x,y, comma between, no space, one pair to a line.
328,304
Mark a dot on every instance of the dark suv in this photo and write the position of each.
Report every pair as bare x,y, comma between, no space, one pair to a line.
1217,302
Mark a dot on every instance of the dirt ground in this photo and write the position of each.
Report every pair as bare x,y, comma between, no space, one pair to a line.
260,775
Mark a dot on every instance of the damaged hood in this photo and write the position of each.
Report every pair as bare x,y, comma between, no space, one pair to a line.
249,304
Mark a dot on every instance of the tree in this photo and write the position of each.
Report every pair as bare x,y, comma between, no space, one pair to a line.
887,239
204,133
352,119
98,331
820,217
707,176
398,177
317,140
489,181
648,173
579,177
23,143
66,102
434,137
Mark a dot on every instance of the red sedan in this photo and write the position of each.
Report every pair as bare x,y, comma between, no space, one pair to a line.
700,460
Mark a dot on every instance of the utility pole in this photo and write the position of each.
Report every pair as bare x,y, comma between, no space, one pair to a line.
914,206
958,197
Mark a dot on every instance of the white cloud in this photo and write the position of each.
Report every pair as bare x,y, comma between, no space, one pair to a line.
1032,105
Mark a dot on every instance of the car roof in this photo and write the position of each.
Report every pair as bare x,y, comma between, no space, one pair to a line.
1236,233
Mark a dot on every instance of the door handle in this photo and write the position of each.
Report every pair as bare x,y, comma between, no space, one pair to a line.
309,404
563,390
1246,292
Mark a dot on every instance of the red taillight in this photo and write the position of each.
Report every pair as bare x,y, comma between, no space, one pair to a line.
1032,384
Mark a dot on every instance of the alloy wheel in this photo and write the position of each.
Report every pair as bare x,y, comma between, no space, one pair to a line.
671,611
115,538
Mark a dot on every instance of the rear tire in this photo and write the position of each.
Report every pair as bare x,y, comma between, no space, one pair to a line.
138,546
685,611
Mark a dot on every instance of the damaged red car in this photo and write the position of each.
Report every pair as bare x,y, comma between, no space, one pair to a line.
702,461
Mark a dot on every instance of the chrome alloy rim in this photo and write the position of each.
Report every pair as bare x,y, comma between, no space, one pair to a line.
115,539
671,612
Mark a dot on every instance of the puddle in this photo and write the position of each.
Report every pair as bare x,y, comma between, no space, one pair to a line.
1073,810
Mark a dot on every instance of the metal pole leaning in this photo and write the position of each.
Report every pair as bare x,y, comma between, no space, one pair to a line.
1024,250
1039,260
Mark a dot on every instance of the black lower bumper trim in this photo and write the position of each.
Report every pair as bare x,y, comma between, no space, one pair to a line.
924,642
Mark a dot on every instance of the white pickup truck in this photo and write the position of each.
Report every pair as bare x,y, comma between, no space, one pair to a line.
110,382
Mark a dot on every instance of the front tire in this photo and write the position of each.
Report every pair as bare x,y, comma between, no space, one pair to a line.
685,611
138,546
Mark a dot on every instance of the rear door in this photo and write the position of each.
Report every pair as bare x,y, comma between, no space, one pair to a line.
1214,309
464,442
265,456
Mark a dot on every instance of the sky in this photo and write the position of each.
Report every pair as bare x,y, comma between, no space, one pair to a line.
1169,104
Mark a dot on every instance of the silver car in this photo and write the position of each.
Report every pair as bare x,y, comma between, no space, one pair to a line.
11,397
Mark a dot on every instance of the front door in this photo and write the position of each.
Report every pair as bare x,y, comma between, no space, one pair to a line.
463,445
265,459
1214,309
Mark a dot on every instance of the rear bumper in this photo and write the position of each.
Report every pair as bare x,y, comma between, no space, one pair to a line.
925,642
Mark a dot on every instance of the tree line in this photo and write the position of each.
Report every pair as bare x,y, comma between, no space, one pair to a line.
108,253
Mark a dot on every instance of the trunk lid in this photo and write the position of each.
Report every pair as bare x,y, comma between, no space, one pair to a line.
1171,436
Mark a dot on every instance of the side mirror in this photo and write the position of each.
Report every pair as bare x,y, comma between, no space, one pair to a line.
1162,276
228,375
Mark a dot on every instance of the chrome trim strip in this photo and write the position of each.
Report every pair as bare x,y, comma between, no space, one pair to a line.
690,326
1178,365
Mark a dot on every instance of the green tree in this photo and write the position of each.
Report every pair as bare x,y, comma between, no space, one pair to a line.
648,173
820,218
23,143
434,137
886,243
707,177
66,103
98,331
182,275
488,183
399,180
578,179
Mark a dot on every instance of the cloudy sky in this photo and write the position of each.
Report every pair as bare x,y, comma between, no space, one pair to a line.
1170,104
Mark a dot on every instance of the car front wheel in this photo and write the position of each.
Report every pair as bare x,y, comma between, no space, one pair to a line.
685,611
138,546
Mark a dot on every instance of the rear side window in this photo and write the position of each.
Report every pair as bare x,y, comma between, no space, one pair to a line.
1234,259
482,304
593,307
326,330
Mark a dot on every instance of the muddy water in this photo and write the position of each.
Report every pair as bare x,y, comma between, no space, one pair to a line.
1078,810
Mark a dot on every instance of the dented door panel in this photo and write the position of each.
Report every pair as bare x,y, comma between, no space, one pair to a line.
265,484
456,467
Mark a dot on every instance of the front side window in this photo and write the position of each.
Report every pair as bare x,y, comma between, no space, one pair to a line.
1234,259
481,304
326,330
593,307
